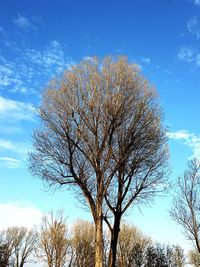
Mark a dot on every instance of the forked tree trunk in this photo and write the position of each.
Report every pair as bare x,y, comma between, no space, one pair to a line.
99,242
114,240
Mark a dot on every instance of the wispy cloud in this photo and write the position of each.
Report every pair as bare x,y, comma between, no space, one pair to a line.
2,32
13,154
31,68
197,2
51,57
23,22
12,113
15,76
190,139
194,27
19,148
19,214
146,60
187,54
10,163
12,110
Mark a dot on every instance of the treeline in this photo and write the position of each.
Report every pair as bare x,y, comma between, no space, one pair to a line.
58,245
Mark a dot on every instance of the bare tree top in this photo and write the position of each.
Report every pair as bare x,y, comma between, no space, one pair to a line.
100,116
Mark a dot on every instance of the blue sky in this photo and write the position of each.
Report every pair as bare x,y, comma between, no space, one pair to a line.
39,39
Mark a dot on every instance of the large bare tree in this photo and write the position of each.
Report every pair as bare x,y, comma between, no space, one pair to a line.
101,124
186,205
140,140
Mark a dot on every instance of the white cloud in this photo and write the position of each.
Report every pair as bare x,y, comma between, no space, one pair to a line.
193,27
23,22
10,163
31,68
51,57
7,129
11,76
197,2
190,139
13,110
2,32
13,154
19,148
180,135
146,60
189,55
19,214
186,54
198,59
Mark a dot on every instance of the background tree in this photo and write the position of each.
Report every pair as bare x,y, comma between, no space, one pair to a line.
161,255
54,241
17,245
83,242
24,244
194,258
186,205
132,247
101,126
7,245
4,253
178,256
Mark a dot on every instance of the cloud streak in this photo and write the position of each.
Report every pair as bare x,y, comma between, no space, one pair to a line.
146,60
31,68
19,148
10,163
12,114
197,2
15,111
52,57
23,22
19,214
193,27
190,139
189,55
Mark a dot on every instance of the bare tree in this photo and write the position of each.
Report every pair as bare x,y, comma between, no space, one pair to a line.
53,240
5,251
7,246
19,244
83,242
132,246
25,242
101,126
178,256
186,205
141,142
194,258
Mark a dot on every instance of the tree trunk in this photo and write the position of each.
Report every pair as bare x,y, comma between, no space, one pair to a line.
99,239
114,240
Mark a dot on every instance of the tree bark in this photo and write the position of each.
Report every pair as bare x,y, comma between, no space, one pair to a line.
114,240
99,241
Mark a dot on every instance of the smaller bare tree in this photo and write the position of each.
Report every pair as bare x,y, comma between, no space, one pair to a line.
18,245
53,240
4,252
83,242
186,204
194,258
178,256
132,246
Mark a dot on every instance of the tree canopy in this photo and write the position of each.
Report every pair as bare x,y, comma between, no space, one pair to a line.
101,134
